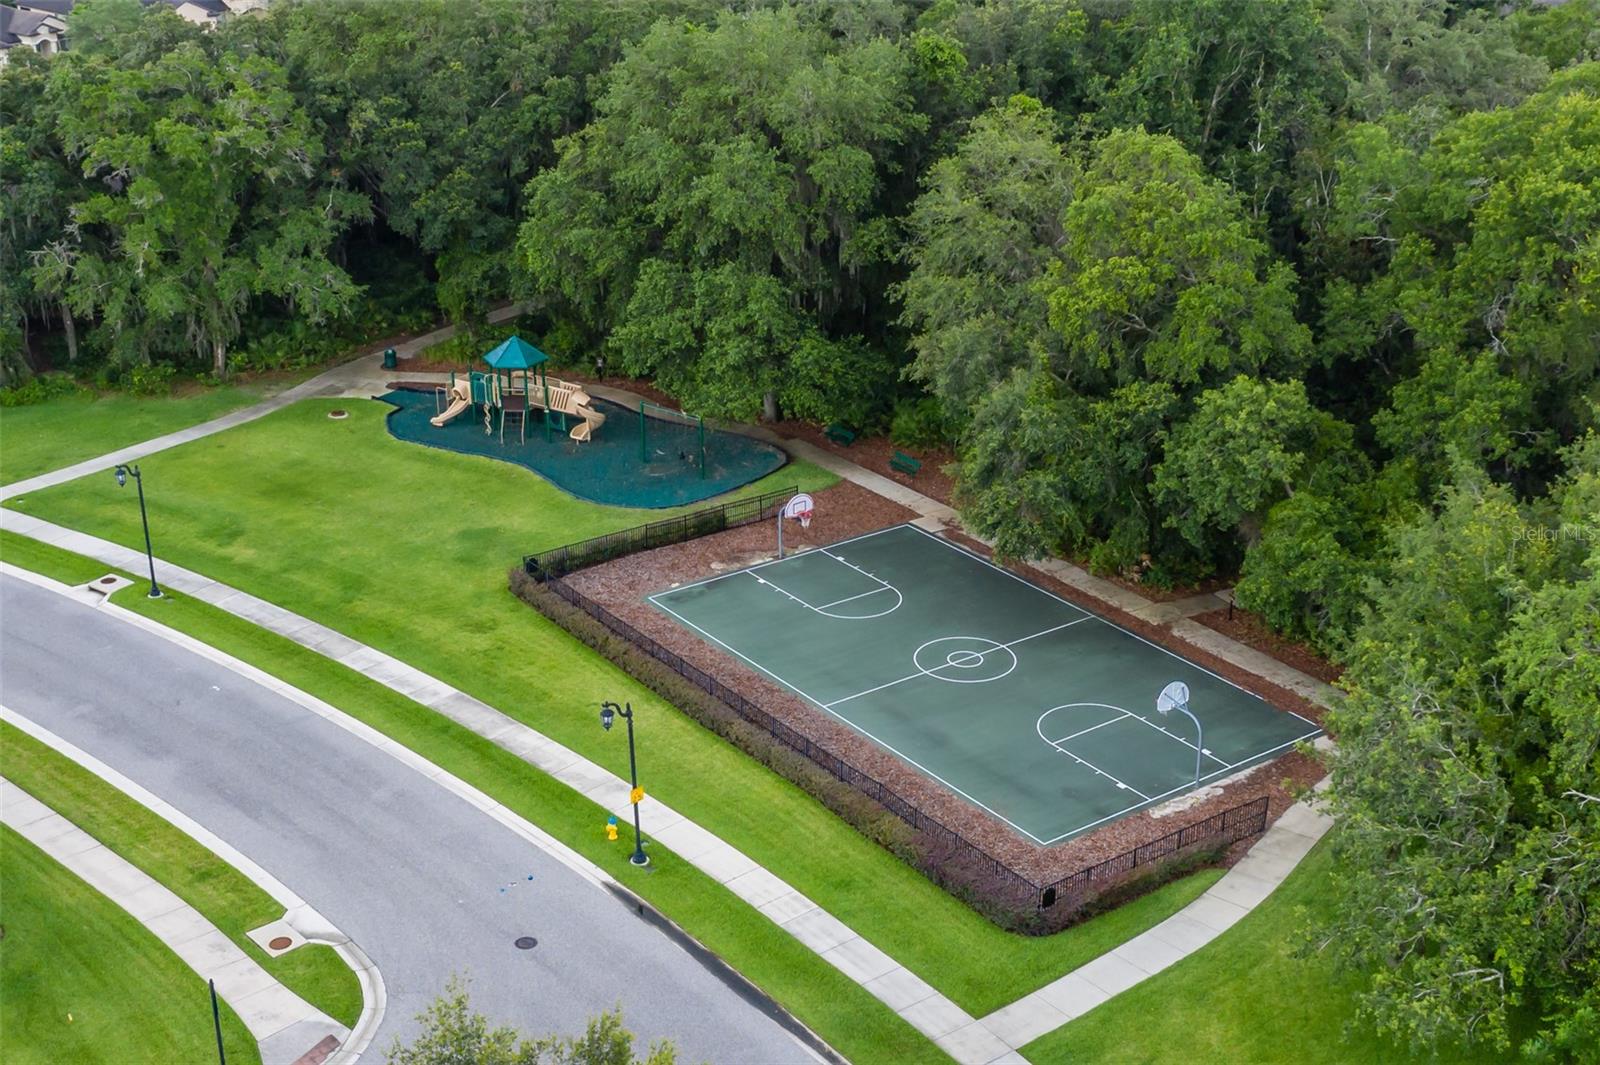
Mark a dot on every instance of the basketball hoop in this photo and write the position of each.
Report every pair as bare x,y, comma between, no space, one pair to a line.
799,508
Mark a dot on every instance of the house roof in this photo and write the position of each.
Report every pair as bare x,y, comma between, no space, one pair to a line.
54,7
214,8
15,25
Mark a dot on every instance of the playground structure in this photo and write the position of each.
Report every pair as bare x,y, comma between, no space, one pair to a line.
500,392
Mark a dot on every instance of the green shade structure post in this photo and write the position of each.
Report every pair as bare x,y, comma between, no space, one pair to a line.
122,473
608,713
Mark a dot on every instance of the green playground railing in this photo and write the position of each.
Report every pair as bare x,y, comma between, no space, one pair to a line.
547,565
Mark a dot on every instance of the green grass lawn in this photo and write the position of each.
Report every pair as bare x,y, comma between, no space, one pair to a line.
48,436
222,894
407,548
82,981
847,1016
1247,999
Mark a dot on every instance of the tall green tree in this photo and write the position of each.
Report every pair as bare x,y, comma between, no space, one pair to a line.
1162,276
1247,445
1469,751
1240,83
38,185
207,198
1471,268
1154,285
1427,55
723,207
981,236
441,110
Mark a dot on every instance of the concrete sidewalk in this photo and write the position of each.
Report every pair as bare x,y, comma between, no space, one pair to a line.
952,1028
967,1039
1224,904
286,1026
991,1039
338,381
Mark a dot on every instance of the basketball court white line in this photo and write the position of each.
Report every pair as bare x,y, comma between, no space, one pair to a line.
852,598
1262,756
886,746
783,592
1126,713
1104,621
932,672
1085,731
1085,762
1187,785
882,586
763,565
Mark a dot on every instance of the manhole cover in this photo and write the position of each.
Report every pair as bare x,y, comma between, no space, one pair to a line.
526,943
280,942
108,580
337,414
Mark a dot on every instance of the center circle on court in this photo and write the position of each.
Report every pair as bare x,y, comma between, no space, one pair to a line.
964,659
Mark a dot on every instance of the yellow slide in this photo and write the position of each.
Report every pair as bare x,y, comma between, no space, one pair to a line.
460,401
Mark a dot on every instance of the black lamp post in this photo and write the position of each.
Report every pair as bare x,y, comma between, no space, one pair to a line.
138,480
608,712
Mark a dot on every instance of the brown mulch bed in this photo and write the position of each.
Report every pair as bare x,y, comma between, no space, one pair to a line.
1160,595
847,510
1282,698
874,453
1251,631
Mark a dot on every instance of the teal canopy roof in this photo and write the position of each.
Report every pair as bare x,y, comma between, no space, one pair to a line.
515,354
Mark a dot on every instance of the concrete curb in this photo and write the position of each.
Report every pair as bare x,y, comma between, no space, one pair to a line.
964,1037
535,835
287,1027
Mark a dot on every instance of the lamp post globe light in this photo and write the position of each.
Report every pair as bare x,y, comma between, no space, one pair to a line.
1175,696
608,716
123,472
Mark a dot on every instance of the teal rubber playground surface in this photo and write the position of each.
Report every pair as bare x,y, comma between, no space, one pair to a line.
1035,710
608,469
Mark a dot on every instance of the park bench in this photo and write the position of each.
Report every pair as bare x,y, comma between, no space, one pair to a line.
905,464
840,434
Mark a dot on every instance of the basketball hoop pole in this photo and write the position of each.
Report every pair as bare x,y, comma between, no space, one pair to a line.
1176,697
780,532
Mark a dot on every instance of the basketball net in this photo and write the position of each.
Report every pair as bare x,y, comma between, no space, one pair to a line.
800,508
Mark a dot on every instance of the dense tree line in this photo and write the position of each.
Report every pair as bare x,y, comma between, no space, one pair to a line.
1305,292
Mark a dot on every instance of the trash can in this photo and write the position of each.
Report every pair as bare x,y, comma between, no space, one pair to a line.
389,362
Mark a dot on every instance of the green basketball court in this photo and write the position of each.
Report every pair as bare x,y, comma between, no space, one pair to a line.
1039,712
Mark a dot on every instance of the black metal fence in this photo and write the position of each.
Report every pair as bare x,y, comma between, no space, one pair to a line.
558,561
1221,829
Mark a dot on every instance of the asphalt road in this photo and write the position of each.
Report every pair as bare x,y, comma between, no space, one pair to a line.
408,870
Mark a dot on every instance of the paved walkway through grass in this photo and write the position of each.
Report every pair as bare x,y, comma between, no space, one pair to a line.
967,1039
334,382
286,1026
